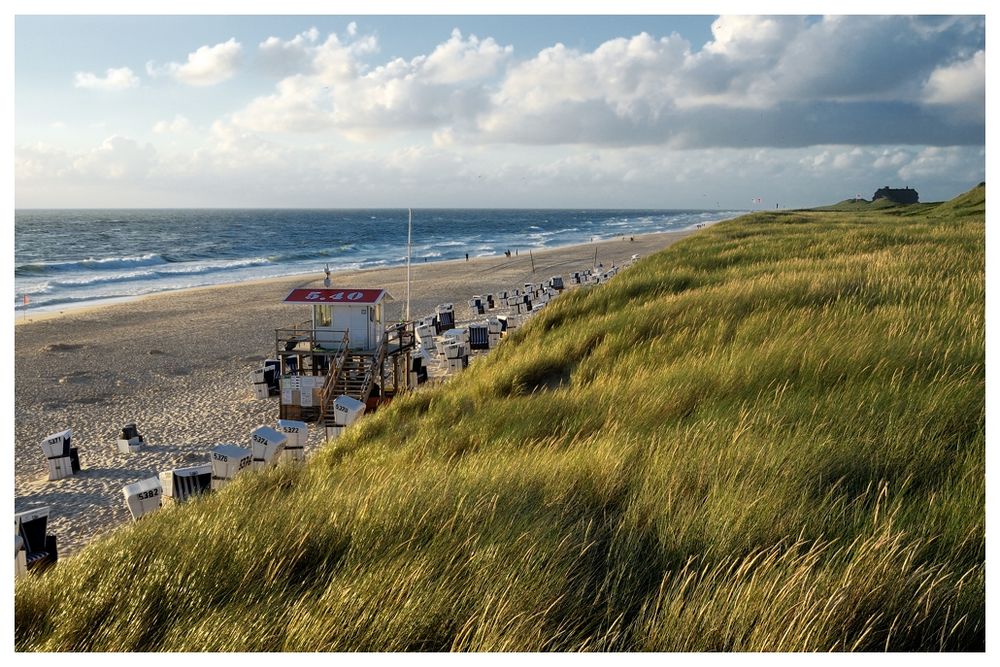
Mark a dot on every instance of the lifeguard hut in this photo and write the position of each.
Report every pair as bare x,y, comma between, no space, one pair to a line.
346,348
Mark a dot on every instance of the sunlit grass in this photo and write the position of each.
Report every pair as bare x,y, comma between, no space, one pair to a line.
770,436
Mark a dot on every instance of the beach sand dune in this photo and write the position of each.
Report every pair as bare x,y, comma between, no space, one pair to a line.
177,364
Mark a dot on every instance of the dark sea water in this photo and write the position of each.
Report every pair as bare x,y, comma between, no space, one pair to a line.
69,257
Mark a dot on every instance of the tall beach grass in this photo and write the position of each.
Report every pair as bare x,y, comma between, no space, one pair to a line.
768,437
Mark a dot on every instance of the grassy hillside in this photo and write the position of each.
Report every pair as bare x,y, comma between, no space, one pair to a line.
884,206
859,205
972,203
769,436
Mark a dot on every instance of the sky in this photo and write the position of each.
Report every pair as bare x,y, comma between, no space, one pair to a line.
612,111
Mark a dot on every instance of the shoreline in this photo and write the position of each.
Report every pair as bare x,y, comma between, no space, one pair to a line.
177,364
42,313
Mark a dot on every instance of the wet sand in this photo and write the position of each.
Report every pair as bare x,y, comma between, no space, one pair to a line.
178,363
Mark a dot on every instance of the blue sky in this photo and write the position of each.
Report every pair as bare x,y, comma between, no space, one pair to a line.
588,111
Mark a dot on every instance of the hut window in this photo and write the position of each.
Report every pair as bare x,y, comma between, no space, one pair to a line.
323,315
371,314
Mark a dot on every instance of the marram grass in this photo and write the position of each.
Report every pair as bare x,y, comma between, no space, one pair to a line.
768,437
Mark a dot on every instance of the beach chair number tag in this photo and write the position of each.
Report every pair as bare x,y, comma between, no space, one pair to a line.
259,440
244,462
144,495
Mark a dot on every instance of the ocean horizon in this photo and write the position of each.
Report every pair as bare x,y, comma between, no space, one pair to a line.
75,257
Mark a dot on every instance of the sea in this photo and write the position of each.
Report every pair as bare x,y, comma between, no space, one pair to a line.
66,258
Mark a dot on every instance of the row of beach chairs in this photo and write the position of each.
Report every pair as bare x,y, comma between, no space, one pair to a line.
34,548
442,337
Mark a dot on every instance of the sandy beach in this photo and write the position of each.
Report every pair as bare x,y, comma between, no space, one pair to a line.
177,364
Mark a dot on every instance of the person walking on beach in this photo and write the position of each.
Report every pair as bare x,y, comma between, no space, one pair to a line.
466,257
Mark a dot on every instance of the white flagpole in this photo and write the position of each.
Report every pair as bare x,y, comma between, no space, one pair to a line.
409,246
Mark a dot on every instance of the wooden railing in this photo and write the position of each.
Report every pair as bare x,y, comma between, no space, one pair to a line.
288,339
331,377
376,365
402,333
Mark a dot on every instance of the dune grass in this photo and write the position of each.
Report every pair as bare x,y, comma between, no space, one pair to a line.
767,437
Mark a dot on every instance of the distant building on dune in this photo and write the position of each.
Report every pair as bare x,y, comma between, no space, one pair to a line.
899,195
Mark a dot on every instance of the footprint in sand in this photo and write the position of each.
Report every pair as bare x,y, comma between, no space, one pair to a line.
88,400
78,377
62,347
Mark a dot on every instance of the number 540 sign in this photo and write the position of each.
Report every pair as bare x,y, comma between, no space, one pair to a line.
336,296
306,295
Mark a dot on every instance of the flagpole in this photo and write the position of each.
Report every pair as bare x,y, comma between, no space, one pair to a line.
409,247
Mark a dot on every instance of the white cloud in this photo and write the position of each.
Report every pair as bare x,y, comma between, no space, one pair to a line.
120,78
178,125
448,86
338,90
760,81
231,148
40,163
286,56
738,61
335,61
299,105
748,36
891,158
235,167
951,162
118,158
567,95
332,60
962,84
459,60
207,66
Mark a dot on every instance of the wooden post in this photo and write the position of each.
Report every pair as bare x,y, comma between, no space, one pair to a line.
532,261
409,251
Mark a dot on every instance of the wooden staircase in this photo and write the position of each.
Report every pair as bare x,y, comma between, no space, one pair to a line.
355,377
355,372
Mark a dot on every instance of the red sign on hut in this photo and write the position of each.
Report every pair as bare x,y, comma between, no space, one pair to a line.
358,296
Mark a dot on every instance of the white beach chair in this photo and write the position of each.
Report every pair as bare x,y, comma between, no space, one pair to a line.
143,497
227,462
266,444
